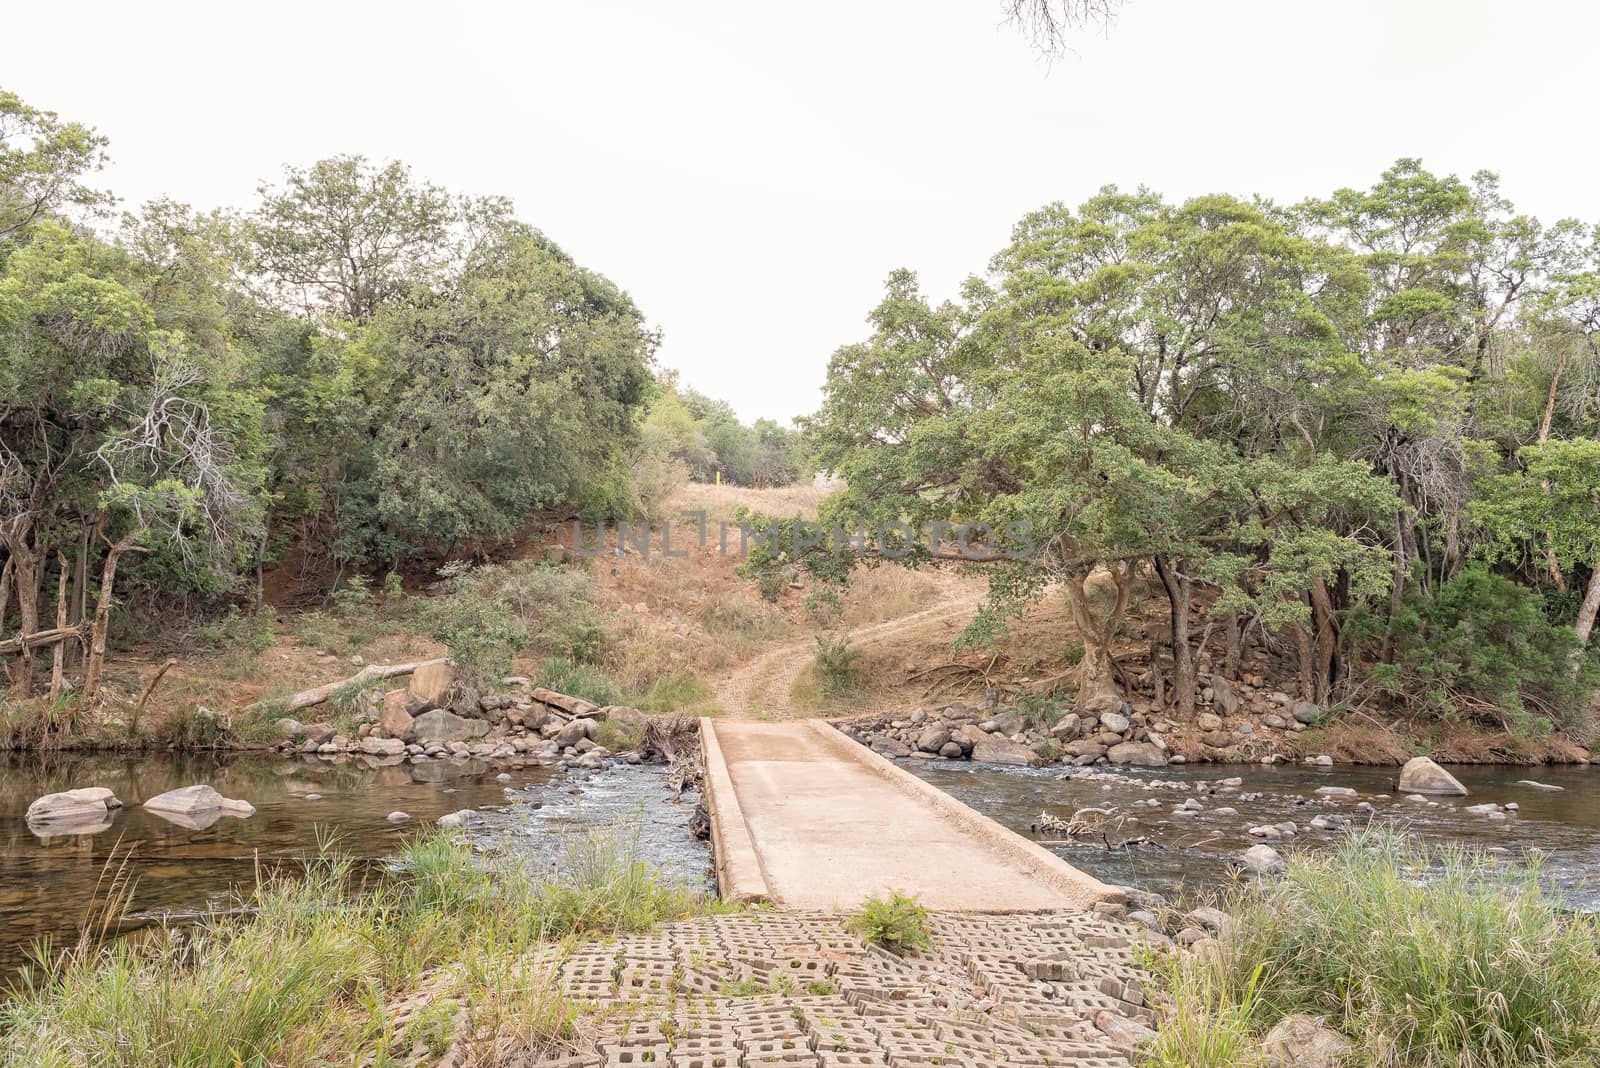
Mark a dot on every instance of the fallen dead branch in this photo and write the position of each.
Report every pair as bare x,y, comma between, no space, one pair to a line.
371,673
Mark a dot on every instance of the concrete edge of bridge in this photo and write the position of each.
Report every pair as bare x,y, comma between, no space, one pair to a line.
1078,888
740,878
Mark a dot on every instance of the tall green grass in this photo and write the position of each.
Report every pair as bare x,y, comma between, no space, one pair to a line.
1427,960
310,969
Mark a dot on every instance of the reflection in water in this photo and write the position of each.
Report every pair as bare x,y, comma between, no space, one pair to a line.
1195,851
48,881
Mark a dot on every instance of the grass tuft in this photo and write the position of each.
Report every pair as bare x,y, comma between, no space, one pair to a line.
892,921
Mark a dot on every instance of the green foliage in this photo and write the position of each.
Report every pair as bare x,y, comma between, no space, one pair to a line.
582,640
1482,640
705,439
838,664
1477,966
892,921
487,615
1041,710
238,630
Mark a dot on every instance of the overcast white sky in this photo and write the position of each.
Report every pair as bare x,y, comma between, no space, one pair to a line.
751,171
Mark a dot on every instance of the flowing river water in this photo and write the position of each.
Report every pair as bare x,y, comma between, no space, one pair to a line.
48,883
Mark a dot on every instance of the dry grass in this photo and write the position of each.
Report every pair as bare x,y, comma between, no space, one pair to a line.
721,503
887,592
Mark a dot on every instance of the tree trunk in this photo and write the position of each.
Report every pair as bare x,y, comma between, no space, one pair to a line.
1590,607
1180,593
1230,658
25,579
1397,589
58,655
1327,641
94,665
1097,684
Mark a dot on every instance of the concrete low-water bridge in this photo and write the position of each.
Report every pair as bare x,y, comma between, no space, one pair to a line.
805,817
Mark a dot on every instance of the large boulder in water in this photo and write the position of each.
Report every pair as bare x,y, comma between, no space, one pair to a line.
998,749
86,804
1422,776
1138,754
196,801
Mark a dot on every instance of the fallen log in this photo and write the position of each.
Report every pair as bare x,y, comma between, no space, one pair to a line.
39,638
371,673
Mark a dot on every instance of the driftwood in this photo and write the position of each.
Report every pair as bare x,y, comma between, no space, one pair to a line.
676,741
371,673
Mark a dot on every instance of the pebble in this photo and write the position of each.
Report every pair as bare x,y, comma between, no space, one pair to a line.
397,816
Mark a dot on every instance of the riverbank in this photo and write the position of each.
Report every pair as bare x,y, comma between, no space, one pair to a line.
1277,731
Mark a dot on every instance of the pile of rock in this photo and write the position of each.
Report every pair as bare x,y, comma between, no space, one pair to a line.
990,734
437,716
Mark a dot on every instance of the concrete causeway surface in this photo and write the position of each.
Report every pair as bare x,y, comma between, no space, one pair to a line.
793,989
804,817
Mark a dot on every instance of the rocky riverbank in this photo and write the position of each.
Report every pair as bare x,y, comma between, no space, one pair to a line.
438,717
1236,724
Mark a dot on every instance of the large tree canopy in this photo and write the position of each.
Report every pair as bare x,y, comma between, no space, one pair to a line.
1316,415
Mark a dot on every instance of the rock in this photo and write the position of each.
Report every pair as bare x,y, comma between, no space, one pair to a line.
85,803
952,751
1422,776
1115,722
997,749
319,733
1218,739
1322,760
289,728
437,725
1137,754
197,801
459,818
384,747
1226,700
1304,1042
576,707
1483,810
394,719
1086,747
1306,712
1120,1030
1262,860
1208,721
1067,726
1276,722
1210,919
885,746
1336,791
933,738
397,816
575,731
1538,785
431,683
467,703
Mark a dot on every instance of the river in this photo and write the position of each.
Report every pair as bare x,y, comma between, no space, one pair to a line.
47,883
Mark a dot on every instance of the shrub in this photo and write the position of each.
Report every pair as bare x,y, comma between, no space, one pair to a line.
1425,960
490,614
1042,711
838,664
582,640
893,921
1484,640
